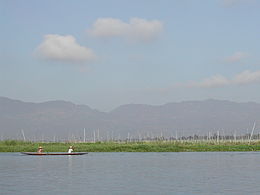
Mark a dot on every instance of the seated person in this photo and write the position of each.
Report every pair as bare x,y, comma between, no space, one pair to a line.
40,150
70,149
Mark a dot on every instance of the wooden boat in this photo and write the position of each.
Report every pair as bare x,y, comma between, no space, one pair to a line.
41,154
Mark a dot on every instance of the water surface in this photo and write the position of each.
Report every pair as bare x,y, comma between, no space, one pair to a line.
131,173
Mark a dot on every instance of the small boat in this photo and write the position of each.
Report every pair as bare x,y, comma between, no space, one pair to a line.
41,154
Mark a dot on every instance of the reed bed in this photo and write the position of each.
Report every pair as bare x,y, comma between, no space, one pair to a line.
158,146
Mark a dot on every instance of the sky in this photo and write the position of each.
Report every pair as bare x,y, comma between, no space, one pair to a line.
107,53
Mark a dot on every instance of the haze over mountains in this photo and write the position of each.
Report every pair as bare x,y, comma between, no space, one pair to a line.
65,120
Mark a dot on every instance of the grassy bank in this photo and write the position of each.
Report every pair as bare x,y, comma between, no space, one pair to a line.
176,146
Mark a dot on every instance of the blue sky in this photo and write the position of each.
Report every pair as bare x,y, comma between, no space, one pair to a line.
107,53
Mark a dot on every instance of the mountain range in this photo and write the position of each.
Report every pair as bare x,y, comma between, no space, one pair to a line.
66,120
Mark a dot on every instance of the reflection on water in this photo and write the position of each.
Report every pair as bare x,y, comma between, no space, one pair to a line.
131,173
70,163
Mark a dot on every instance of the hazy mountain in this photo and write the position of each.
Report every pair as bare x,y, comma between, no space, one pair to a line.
189,117
63,119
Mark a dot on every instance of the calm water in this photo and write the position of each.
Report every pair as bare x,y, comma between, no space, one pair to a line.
131,173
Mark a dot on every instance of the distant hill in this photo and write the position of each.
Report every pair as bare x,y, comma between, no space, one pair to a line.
65,120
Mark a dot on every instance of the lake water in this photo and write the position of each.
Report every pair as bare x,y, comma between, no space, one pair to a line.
131,173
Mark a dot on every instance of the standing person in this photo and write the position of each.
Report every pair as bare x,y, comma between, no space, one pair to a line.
40,150
70,149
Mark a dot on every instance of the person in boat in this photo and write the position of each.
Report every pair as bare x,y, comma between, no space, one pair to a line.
40,149
70,149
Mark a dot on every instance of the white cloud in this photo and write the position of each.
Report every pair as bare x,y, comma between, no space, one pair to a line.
237,57
211,82
63,48
108,27
137,29
245,77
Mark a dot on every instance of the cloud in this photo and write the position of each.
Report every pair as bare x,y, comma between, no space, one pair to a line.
211,82
137,29
63,48
237,57
245,77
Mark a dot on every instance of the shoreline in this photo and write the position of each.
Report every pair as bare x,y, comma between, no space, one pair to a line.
158,146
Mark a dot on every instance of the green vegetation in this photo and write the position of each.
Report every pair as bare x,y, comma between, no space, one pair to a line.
160,146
